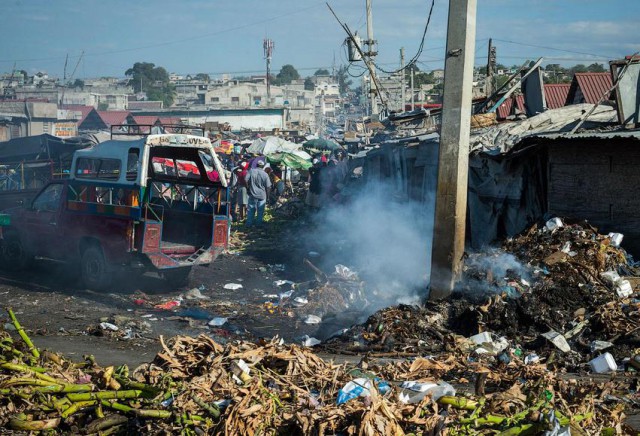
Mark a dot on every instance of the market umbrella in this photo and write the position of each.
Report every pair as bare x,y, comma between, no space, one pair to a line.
272,144
322,144
290,160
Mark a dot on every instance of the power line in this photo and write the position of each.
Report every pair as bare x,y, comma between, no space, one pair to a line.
553,48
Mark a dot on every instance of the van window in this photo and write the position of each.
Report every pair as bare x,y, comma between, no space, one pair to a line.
180,168
132,164
93,168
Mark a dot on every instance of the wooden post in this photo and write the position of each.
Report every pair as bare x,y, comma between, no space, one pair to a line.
453,166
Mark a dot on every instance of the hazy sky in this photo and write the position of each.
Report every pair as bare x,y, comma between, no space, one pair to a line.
216,37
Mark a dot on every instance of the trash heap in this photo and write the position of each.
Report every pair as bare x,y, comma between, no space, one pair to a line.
197,386
560,291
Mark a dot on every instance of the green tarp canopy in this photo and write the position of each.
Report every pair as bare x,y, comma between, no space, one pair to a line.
290,160
322,144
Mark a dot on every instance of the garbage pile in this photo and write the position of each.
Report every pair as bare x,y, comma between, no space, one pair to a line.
197,386
560,291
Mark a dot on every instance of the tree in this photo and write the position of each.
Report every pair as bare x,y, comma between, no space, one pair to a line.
321,72
78,83
152,80
343,79
203,77
103,106
596,68
287,74
308,84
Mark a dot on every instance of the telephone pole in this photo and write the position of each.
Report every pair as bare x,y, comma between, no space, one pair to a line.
268,50
369,58
491,68
453,165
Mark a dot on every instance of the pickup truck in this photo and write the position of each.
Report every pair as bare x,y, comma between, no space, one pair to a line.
159,203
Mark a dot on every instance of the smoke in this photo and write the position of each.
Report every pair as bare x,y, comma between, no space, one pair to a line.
494,271
384,238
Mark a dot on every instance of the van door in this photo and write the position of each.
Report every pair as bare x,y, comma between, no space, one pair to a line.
44,236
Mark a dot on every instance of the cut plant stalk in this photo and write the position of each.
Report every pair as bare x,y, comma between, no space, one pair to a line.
34,351
17,423
75,407
105,395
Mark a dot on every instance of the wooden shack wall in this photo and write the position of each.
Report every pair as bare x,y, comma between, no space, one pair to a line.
597,180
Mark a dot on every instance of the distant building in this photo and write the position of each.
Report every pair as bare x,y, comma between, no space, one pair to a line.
19,119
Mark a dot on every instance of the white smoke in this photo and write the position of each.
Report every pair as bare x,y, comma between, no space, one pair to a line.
386,239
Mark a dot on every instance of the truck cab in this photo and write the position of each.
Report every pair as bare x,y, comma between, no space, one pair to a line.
155,203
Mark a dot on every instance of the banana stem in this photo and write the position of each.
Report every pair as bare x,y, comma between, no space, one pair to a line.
105,395
23,334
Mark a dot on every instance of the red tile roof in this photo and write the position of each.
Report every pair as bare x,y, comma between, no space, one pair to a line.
145,119
555,94
111,118
84,110
589,87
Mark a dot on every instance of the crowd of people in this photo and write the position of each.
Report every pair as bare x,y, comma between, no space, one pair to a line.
256,184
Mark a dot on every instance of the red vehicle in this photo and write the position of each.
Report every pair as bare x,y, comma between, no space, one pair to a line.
158,203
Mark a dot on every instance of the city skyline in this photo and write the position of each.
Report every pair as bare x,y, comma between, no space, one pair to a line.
214,38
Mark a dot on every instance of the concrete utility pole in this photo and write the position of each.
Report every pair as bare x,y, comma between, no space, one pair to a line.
370,57
413,104
267,45
491,68
453,166
402,91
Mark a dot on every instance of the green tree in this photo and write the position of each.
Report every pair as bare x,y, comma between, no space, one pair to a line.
308,84
78,83
344,82
203,77
596,68
321,72
286,75
152,80
103,106
580,68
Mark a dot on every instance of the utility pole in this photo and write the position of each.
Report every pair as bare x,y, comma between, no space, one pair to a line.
369,58
491,68
268,50
453,165
413,104
402,91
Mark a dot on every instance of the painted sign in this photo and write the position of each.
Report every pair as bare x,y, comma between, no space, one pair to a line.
65,130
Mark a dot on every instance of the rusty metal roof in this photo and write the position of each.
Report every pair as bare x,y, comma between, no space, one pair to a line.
556,94
111,118
506,108
589,87
145,119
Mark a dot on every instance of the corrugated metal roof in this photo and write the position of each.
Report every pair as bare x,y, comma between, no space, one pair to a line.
505,109
83,109
111,118
170,120
589,87
633,134
556,94
145,119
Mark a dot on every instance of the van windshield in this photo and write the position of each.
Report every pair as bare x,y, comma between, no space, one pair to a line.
181,164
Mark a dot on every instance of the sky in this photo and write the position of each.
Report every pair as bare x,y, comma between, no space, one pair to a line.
218,37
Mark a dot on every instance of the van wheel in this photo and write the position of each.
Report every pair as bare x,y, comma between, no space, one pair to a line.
95,272
14,254
177,277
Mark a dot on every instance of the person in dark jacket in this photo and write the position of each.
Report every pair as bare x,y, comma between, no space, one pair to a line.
258,186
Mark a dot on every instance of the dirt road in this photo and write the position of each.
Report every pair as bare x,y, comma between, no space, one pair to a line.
62,315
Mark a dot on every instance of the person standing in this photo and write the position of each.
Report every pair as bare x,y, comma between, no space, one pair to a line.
258,186
239,185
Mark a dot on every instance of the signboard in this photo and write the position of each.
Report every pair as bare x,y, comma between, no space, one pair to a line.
65,129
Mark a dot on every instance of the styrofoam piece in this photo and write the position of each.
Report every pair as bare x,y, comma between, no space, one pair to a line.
603,363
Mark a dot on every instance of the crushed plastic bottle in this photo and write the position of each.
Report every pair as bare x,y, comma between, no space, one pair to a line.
413,392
